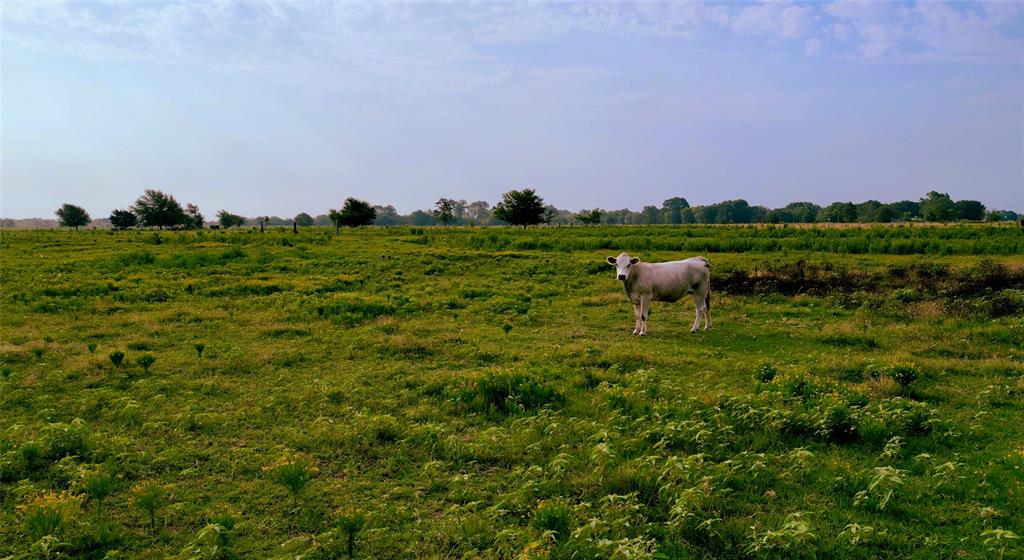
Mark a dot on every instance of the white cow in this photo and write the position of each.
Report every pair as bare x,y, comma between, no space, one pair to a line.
667,281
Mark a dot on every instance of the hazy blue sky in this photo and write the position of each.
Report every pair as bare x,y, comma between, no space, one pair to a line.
282,107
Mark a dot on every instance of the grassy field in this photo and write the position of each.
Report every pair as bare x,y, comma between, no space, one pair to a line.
476,393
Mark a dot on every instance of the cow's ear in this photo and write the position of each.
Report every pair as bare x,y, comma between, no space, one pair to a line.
611,260
634,260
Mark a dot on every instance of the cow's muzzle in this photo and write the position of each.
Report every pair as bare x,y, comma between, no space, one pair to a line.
622,277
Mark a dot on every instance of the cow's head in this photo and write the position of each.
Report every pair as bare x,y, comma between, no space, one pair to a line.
623,263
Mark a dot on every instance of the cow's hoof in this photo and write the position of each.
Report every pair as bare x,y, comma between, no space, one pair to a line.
643,334
693,330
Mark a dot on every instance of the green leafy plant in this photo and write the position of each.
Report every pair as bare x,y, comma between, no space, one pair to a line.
98,485
47,513
553,518
92,347
38,352
116,357
150,498
999,539
213,542
350,525
145,360
882,487
293,474
199,346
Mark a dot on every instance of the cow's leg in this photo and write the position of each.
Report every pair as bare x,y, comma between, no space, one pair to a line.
645,308
698,304
707,310
636,318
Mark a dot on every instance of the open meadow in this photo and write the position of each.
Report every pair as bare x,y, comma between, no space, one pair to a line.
476,393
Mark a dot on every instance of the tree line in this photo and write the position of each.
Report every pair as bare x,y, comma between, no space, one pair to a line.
525,207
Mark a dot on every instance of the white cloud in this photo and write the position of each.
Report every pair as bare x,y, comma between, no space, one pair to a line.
812,47
932,31
839,31
774,18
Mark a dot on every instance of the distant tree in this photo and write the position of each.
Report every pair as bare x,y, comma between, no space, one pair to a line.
687,215
479,211
550,215
803,212
356,213
868,211
520,208
193,219
705,214
460,208
887,214
651,215
444,211
72,216
734,212
590,217
335,216
838,213
421,218
388,216
303,219
1002,216
672,210
154,208
937,207
227,219
906,209
123,219
969,210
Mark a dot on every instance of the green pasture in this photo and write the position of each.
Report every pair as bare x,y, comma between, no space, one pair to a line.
476,393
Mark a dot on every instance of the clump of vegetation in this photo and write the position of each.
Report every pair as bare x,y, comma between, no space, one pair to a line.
116,357
554,519
351,525
214,541
98,484
47,513
504,392
38,352
145,361
199,347
294,474
766,373
150,498
92,347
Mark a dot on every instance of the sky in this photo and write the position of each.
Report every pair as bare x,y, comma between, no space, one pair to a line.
275,108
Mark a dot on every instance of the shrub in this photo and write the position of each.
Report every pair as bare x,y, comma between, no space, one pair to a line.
212,542
150,498
199,346
293,474
351,525
145,360
46,514
502,391
904,375
766,373
99,485
553,518
65,440
92,347
116,357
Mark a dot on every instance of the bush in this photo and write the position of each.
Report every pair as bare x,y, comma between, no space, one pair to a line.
503,392
555,518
